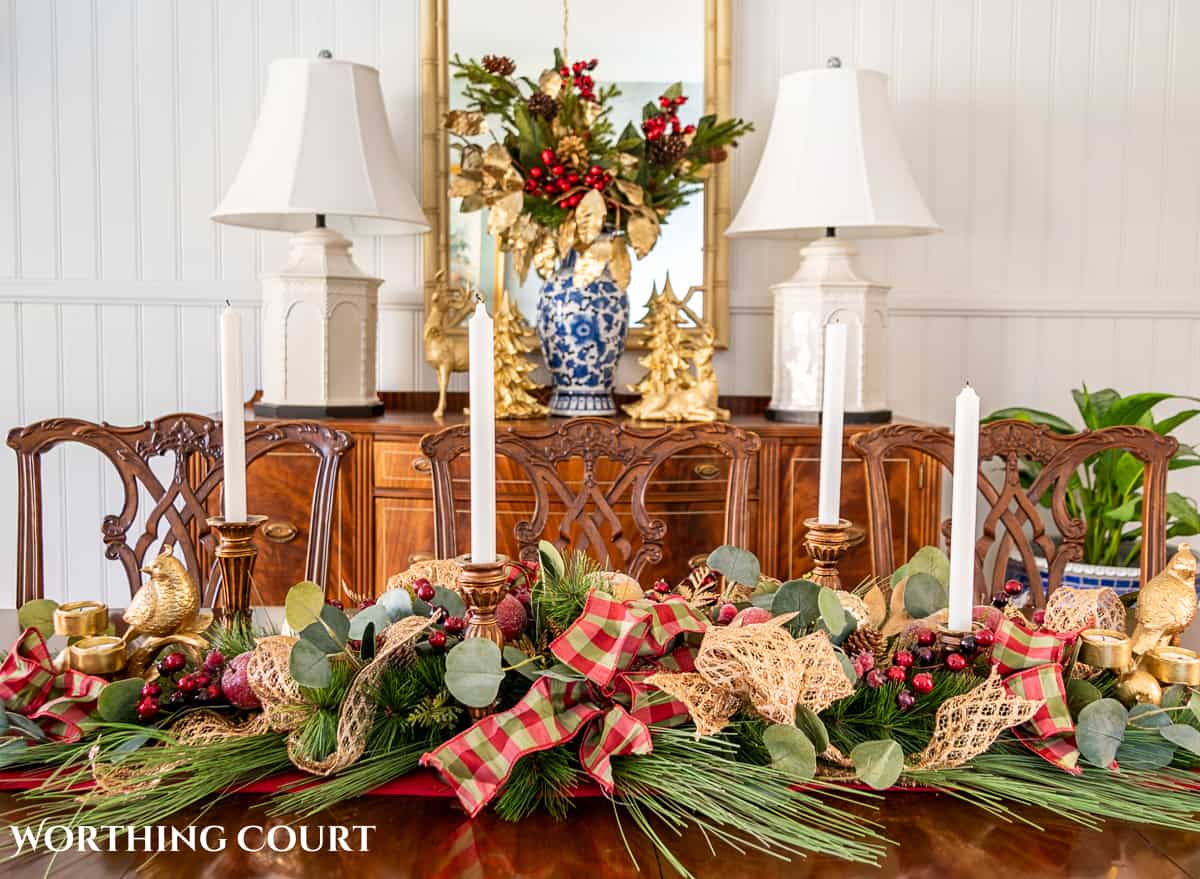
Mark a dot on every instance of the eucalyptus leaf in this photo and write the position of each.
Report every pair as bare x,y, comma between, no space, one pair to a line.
474,672
800,597
375,615
833,615
736,564
808,722
847,665
552,565
899,574
1148,716
924,595
450,600
338,624
1145,756
316,635
791,751
1183,735
560,671
1080,694
765,600
515,656
397,602
1174,695
303,604
26,727
1100,731
3,723
118,700
366,649
38,614
128,746
1194,706
309,665
878,764
930,560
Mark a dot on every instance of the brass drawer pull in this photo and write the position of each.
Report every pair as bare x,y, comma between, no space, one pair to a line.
707,471
280,532
421,464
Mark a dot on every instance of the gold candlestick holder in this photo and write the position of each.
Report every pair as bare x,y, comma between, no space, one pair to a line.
236,553
826,544
483,585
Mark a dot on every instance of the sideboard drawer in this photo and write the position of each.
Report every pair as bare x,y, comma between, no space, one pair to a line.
401,465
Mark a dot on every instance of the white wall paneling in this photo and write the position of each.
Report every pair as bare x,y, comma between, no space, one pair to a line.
1056,140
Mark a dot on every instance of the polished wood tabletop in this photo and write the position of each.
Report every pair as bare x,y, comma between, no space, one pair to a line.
940,839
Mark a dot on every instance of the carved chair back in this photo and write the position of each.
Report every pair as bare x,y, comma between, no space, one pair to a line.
590,517
1016,508
178,506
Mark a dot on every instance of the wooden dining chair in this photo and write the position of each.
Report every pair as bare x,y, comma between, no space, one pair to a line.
178,506
591,504
1011,509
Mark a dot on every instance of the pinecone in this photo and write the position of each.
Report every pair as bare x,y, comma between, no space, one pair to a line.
572,149
865,640
541,104
500,65
668,150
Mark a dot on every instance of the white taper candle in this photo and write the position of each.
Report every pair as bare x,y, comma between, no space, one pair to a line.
483,436
833,402
233,417
962,510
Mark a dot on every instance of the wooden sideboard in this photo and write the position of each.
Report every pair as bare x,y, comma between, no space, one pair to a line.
383,516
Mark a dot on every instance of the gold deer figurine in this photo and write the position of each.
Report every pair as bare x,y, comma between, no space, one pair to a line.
447,353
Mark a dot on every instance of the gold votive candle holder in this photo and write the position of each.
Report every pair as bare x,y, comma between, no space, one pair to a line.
1105,648
97,655
1173,665
79,619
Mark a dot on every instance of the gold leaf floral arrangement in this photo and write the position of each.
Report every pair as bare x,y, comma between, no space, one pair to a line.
557,176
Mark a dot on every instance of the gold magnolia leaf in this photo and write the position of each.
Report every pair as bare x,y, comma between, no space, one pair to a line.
589,218
504,212
589,266
619,263
643,233
628,163
497,158
520,258
471,203
467,123
630,190
566,236
550,82
526,231
462,186
472,157
591,111
544,253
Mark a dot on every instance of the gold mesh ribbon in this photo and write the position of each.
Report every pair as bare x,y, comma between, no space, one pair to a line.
1069,610
439,572
965,726
759,665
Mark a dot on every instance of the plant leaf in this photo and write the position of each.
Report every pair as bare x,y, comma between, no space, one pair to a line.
38,614
450,600
309,665
1100,731
847,665
1080,694
930,560
316,635
366,649
118,700
474,672
812,726
1144,715
514,656
833,615
736,564
397,602
797,596
878,763
552,564
1036,416
26,727
376,615
1194,706
303,604
1145,755
791,751
1183,735
338,624
924,595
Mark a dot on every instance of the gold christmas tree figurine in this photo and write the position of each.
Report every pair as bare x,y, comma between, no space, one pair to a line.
514,339
670,390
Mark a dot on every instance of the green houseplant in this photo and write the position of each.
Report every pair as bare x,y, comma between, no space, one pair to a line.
1107,490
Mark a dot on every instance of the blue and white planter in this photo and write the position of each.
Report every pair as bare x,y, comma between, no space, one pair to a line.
583,334
1081,576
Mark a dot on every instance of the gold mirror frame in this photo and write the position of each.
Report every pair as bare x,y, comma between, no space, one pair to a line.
435,102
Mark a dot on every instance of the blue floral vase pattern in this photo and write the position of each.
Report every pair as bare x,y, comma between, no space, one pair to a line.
583,335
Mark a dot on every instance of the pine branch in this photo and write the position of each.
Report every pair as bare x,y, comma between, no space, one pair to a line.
541,779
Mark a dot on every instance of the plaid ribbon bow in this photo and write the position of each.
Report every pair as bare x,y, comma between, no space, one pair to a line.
1032,662
32,686
615,647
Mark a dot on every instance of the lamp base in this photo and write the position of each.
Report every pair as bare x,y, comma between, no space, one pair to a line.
813,416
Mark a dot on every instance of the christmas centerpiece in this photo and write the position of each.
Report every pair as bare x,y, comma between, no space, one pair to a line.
750,708
575,199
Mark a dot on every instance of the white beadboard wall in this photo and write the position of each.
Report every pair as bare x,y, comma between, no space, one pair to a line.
1058,142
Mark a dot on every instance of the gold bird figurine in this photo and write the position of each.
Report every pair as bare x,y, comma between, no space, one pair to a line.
165,605
1167,604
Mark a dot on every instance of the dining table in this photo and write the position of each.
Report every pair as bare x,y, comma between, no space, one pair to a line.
938,837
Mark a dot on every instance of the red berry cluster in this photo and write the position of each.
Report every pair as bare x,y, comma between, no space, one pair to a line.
200,687
656,126
898,673
565,186
576,75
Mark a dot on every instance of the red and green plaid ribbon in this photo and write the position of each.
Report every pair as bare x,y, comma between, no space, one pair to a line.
614,646
57,701
1033,663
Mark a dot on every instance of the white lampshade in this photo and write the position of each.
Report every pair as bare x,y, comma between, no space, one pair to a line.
832,159
322,145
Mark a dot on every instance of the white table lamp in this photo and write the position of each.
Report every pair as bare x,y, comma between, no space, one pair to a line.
321,150
832,167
